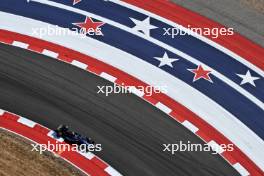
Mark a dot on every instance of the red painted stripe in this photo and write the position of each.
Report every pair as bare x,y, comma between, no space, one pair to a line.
99,163
229,157
179,112
236,43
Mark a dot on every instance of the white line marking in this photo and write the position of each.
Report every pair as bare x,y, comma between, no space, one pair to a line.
159,43
52,133
50,53
20,44
135,91
216,147
112,171
2,112
205,39
163,107
241,169
26,122
88,155
108,77
218,117
79,64
190,126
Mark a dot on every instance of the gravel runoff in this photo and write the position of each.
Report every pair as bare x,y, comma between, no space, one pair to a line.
16,158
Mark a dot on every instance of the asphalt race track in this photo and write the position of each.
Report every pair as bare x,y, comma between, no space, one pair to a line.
244,16
130,130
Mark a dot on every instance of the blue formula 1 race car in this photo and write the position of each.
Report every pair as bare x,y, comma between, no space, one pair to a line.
72,137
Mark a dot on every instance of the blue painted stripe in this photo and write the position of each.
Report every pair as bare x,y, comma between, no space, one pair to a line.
241,107
190,45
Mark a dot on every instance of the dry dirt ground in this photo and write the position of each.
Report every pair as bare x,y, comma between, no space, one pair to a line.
17,159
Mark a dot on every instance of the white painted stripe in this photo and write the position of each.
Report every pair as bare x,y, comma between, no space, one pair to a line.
190,126
79,64
111,171
20,44
52,135
241,169
159,43
2,112
135,91
163,107
216,147
181,92
203,38
108,77
26,122
50,53
88,155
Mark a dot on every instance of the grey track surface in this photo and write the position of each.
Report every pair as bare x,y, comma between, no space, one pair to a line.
131,131
245,16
